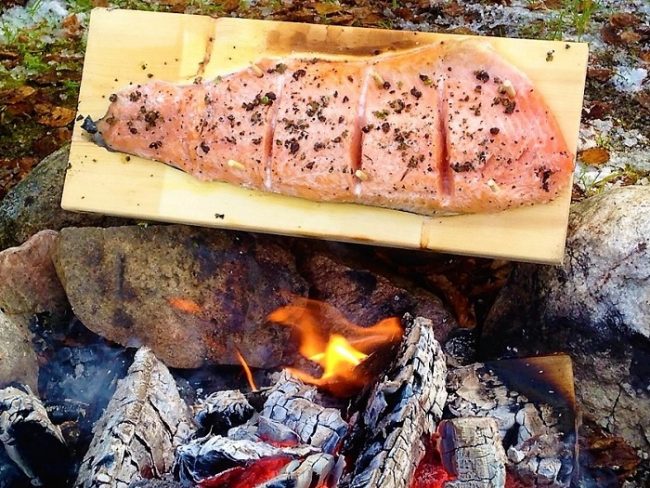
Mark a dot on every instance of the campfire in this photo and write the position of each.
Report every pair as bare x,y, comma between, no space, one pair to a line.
376,402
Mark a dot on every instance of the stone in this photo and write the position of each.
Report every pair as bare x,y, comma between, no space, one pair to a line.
35,204
366,296
596,307
18,362
194,296
28,280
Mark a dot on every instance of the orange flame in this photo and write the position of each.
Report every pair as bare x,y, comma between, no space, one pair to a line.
247,370
327,338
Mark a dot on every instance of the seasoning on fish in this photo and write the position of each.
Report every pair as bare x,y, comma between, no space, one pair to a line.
449,127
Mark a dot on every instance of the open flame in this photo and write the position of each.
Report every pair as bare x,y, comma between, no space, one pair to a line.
337,345
247,370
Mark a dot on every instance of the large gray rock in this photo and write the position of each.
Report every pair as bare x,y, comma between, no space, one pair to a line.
28,280
18,362
197,296
193,295
35,204
596,307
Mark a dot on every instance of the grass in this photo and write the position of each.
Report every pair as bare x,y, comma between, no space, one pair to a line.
573,17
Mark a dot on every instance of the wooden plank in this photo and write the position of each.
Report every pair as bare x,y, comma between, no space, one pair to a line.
127,46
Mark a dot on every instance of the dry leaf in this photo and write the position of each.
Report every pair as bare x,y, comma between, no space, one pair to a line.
594,156
16,95
623,19
536,5
599,73
326,8
630,37
52,115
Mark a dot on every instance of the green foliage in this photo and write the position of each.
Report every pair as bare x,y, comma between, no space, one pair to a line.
78,6
573,17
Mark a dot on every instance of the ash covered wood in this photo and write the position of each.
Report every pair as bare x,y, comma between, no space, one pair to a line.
401,413
223,410
291,403
207,456
30,439
471,451
316,470
145,421
539,434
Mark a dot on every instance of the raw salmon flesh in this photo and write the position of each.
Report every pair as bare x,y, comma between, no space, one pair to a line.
450,127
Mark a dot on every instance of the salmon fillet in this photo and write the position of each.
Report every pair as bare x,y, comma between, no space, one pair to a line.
449,127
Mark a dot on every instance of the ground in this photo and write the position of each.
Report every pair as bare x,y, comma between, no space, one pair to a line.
42,44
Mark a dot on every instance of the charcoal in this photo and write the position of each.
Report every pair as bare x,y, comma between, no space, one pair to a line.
290,403
143,424
30,439
221,411
471,451
538,433
316,470
155,484
211,455
276,432
11,476
79,373
402,410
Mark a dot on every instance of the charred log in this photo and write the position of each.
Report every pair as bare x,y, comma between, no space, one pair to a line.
291,404
207,456
539,434
316,470
223,410
472,452
30,439
401,412
143,424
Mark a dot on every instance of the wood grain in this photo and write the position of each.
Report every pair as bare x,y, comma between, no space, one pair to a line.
128,46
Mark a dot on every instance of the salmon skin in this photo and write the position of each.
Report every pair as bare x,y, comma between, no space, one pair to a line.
450,127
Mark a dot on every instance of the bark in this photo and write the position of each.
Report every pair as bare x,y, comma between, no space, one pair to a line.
145,421
30,439
472,452
402,411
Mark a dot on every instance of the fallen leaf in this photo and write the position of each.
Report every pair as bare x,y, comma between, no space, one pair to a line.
610,35
71,25
645,56
16,95
599,73
624,19
53,115
326,8
594,156
643,97
99,3
630,37
597,110
535,5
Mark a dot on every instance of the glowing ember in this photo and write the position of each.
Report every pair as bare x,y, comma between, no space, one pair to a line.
336,344
430,473
247,371
247,476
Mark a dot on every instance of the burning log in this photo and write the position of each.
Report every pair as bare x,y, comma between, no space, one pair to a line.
223,410
204,457
534,418
401,412
471,451
291,404
315,470
143,424
30,439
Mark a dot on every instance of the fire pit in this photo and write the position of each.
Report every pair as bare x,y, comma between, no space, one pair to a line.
172,356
